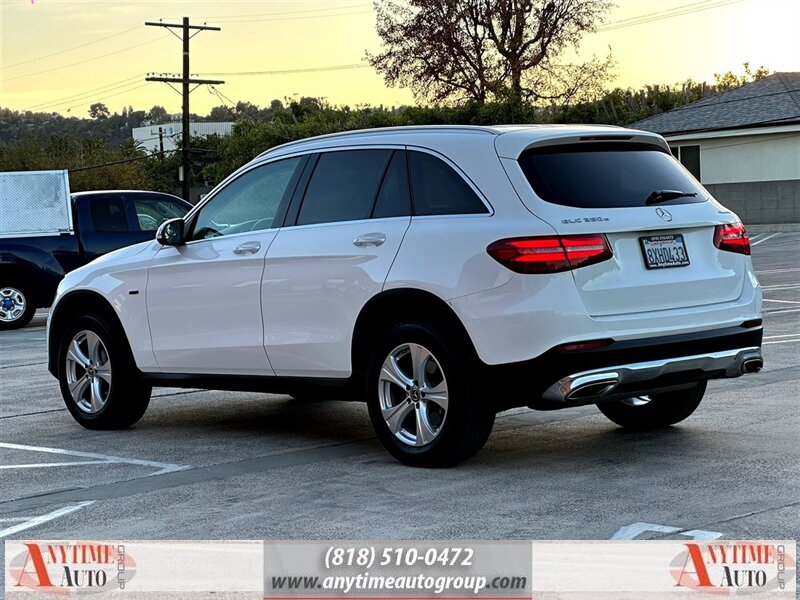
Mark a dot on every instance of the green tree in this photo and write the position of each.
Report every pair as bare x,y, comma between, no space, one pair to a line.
98,110
481,50
729,80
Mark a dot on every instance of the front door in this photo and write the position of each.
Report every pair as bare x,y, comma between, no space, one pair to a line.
204,298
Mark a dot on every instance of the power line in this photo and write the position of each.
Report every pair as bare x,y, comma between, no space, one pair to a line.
221,95
360,12
80,62
661,12
222,18
118,162
117,84
65,50
291,71
656,17
69,108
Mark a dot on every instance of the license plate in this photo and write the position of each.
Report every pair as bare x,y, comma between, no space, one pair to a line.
664,251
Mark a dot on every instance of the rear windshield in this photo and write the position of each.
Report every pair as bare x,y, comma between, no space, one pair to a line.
606,175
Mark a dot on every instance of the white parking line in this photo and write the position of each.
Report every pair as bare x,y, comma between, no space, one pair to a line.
762,240
773,337
785,270
784,286
28,522
634,530
793,341
781,311
97,459
782,301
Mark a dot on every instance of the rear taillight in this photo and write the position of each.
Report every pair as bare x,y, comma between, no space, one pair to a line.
550,254
732,238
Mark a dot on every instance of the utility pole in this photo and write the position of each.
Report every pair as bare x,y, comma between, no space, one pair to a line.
186,81
161,143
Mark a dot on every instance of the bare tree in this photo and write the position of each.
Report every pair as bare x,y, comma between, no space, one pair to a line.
454,50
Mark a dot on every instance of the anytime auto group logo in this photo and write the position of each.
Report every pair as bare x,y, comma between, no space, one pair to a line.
71,568
734,568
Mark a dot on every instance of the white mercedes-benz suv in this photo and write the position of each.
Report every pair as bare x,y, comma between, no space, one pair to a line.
441,274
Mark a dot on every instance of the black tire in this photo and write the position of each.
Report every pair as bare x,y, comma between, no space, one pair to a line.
469,417
28,312
662,410
127,397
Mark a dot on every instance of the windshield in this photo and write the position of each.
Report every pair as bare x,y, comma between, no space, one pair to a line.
606,175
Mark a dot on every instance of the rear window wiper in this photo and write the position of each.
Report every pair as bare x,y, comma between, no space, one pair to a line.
664,195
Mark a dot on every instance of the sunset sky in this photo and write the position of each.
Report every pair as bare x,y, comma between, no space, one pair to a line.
44,69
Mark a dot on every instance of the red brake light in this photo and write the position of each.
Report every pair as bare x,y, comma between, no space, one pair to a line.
732,238
551,254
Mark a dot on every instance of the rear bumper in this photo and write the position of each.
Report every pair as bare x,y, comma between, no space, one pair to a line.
559,378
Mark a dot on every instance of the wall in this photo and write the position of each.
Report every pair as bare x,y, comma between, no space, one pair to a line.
727,158
759,202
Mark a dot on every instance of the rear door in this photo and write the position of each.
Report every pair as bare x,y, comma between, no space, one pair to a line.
341,237
663,252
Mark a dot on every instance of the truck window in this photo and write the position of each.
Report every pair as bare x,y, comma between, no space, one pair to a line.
151,213
108,214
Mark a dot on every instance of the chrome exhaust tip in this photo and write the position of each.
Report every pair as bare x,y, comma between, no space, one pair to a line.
590,387
752,365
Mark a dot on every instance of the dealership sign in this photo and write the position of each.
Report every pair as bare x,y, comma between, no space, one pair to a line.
404,570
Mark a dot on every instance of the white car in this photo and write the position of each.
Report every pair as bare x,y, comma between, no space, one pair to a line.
441,274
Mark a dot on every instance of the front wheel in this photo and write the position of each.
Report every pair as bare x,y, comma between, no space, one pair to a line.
98,379
423,408
16,306
654,410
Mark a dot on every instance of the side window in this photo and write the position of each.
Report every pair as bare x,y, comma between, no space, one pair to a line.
150,212
438,190
394,198
108,214
343,186
251,202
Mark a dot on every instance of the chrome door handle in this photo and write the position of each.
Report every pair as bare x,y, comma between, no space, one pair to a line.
369,239
248,248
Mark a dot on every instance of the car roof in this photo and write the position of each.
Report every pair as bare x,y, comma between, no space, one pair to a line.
510,140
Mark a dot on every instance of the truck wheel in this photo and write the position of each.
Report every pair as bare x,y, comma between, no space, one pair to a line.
16,307
424,408
98,379
655,410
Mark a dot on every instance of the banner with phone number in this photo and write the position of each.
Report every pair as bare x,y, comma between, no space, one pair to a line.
322,570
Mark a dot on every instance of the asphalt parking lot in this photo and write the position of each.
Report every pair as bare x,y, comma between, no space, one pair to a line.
206,465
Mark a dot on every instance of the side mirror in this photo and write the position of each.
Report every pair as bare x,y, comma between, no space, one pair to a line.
170,233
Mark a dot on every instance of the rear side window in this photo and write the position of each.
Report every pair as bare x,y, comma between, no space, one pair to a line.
394,199
438,190
108,214
605,175
344,186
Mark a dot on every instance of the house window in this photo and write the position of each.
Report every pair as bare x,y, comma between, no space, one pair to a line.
689,157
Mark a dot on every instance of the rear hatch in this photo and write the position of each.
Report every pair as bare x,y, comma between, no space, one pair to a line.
664,255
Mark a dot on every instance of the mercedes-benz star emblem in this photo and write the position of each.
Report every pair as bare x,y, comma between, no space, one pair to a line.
664,214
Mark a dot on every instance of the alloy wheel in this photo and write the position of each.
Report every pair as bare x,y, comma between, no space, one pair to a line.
88,370
413,394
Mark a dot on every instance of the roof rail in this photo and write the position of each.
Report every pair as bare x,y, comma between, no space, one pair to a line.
383,130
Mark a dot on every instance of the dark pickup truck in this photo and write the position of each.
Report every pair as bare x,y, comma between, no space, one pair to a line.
32,266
